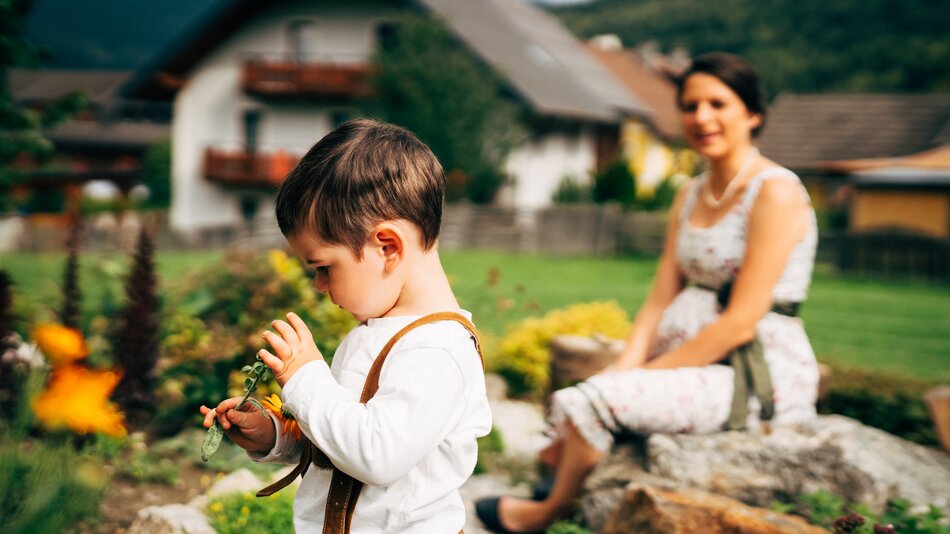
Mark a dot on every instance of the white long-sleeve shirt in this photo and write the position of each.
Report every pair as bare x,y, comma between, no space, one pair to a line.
412,445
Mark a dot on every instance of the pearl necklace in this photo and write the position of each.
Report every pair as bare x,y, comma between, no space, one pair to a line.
731,187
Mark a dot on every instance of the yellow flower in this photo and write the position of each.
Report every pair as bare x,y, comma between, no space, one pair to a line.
285,266
275,406
60,344
78,398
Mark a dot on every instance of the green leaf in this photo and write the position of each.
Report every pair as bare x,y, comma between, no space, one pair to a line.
248,384
257,404
212,441
246,369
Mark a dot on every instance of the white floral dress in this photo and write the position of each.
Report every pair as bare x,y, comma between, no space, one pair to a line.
699,399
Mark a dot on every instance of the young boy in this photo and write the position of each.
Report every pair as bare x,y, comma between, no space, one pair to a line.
364,208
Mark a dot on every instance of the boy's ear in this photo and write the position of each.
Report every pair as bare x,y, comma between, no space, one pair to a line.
390,243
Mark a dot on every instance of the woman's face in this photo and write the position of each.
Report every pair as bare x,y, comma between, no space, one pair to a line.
716,121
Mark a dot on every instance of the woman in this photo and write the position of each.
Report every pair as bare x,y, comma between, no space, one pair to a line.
737,261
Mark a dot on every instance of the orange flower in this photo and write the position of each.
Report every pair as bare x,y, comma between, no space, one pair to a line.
78,399
60,344
275,406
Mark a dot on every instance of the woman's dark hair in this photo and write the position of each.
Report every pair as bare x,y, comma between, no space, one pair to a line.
733,71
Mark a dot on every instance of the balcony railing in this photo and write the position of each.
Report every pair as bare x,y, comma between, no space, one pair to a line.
275,78
247,169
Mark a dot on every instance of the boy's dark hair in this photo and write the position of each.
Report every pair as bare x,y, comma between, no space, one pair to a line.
358,175
736,73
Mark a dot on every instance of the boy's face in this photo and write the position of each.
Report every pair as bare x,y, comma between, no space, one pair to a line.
358,285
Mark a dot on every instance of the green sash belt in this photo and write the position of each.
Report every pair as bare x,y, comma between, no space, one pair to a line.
751,369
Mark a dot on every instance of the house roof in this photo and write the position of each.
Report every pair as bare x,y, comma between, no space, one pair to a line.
117,135
545,65
804,130
930,168
655,89
543,62
48,85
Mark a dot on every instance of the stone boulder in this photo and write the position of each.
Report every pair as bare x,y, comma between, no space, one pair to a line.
170,519
646,509
854,461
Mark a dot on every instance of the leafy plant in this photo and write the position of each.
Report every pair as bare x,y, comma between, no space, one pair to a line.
136,337
571,190
615,183
828,510
9,379
568,526
887,401
256,373
490,446
239,513
213,328
72,296
49,487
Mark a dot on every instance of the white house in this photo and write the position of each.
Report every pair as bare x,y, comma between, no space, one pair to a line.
254,84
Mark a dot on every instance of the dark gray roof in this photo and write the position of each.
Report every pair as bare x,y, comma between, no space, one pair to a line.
107,135
902,177
804,129
48,85
541,60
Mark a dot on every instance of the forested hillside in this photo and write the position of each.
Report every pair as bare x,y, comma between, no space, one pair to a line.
798,45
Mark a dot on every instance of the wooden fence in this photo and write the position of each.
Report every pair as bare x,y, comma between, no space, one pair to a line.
583,229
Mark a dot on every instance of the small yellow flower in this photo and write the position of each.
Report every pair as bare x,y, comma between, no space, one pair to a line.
78,399
60,344
275,406
216,507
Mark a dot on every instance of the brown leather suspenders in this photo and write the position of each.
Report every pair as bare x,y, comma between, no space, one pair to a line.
344,489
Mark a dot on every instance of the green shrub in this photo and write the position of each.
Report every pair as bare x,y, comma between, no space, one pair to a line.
571,190
490,446
47,487
828,510
883,400
243,513
214,324
523,358
568,526
615,183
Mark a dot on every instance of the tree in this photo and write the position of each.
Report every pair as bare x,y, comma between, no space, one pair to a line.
156,173
21,129
797,45
428,82
616,183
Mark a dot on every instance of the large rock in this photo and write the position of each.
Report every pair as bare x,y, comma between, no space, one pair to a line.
170,519
856,462
646,509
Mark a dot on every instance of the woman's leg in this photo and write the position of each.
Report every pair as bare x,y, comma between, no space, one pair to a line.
576,460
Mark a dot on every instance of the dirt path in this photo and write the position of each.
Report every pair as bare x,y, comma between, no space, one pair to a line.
126,497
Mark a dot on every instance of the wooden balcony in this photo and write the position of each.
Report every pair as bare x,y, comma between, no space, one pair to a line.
247,169
282,78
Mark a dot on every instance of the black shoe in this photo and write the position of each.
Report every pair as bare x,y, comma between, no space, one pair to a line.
542,488
487,510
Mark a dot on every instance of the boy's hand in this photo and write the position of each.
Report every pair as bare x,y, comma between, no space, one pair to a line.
294,348
248,428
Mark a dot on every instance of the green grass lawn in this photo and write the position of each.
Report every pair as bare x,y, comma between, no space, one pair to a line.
898,326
